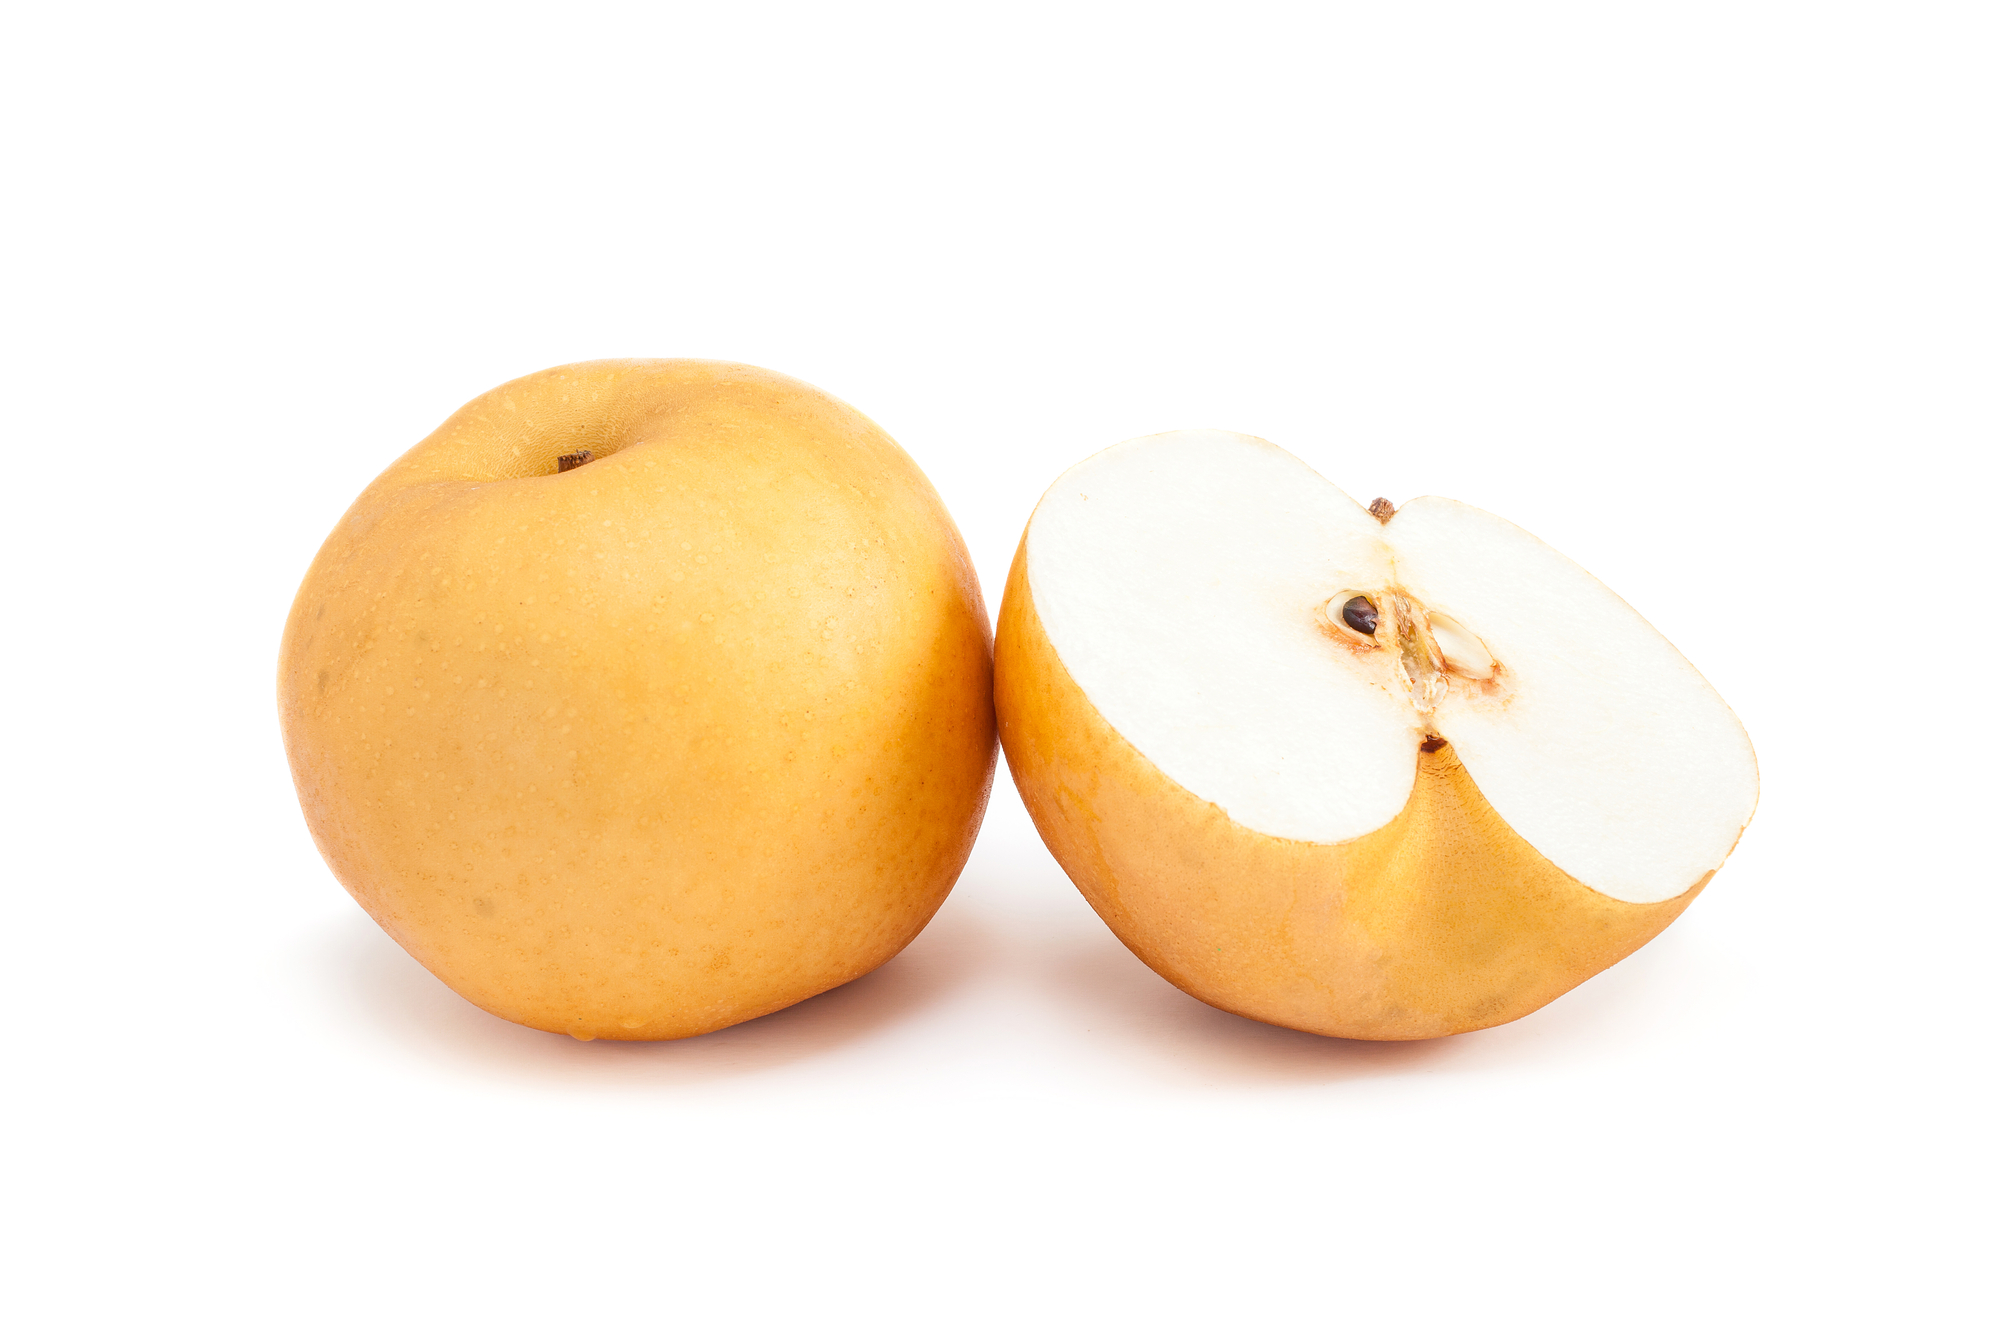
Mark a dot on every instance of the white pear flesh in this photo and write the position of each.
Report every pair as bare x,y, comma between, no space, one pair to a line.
1548,794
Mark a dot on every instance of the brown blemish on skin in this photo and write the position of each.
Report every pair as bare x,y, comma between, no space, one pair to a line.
1382,509
570,462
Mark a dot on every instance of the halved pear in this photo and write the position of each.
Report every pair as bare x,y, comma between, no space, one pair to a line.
1383,773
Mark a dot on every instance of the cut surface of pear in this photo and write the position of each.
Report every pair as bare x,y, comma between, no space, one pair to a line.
1201,629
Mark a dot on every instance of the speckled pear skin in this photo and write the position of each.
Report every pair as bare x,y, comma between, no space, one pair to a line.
664,742
1443,920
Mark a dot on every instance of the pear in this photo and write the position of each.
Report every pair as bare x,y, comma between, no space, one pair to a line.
1369,772
643,698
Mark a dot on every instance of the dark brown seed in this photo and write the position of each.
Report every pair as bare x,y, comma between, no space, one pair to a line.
1360,615
575,460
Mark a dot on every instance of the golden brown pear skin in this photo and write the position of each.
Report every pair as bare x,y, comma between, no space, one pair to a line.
1443,920
679,736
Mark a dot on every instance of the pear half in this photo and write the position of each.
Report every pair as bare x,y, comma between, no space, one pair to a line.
1371,772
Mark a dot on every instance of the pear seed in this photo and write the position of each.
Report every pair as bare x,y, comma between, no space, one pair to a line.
1360,615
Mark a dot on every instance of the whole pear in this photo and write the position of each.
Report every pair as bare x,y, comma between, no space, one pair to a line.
643,698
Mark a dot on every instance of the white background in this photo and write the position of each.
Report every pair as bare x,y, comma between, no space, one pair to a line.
1704,295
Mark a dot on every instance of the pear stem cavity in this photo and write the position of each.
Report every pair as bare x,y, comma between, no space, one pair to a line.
571,462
